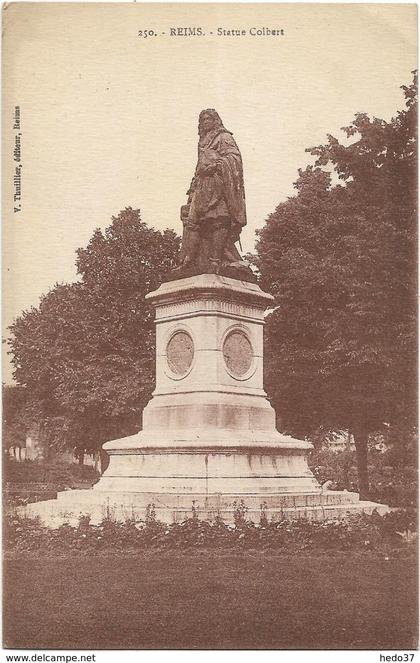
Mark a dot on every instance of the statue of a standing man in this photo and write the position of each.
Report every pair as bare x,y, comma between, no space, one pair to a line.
215,212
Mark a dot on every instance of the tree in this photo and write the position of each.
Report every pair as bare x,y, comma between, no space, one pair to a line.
340,260
86,353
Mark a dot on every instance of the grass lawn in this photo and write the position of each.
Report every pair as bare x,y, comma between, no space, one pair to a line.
207,600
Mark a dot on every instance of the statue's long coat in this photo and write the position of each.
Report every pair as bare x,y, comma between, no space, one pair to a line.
220,195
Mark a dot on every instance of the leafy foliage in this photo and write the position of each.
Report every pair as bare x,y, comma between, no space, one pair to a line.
86,354
389,534
391,482
61,474
340,260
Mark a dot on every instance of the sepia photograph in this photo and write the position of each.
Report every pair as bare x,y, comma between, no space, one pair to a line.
209,304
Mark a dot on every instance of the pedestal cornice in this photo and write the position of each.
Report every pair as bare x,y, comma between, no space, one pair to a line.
210,286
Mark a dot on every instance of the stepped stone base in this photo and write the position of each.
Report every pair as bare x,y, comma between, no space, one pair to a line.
71,505
209,438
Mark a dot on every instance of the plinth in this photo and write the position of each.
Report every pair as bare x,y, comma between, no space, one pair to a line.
209,428
209,438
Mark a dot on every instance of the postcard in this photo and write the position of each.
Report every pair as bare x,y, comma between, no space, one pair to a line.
209,326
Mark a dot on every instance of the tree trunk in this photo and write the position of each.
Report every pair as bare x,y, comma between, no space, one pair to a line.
347,461
346,468
348,441
81,457
361,443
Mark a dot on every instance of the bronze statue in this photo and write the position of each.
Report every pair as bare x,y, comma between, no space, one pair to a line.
215,212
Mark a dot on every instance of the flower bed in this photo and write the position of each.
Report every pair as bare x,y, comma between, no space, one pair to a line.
394,531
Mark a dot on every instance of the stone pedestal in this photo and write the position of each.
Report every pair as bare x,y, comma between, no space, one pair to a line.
209,435
209,428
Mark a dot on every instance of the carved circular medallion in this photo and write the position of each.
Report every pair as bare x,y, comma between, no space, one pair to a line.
180,352
238,353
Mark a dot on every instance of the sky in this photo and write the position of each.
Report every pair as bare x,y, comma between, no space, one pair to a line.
109,118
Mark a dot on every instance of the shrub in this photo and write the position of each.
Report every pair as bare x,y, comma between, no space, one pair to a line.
36,480
48,472
394,485
394,531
